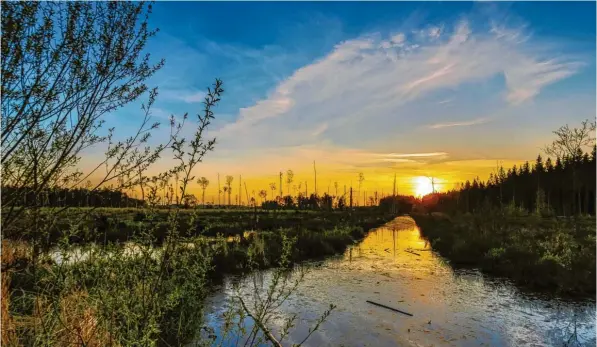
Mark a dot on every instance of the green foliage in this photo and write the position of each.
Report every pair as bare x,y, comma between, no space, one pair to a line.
145,292
551,254
495,253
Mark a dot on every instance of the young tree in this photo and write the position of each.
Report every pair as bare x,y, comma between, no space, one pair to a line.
289,179
64,66
281,174
219,191
263,195
272,186
432,180
568,143
203,183
229,186
189,200
361,179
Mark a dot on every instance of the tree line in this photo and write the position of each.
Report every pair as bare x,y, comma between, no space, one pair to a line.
564,186
77,197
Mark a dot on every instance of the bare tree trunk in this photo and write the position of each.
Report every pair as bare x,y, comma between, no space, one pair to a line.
351,197
141,185
315,170
394,196
247,193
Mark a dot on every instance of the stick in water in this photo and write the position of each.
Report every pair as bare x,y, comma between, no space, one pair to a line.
389,308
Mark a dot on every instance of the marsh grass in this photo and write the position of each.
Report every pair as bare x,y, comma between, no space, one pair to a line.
143,292
549,254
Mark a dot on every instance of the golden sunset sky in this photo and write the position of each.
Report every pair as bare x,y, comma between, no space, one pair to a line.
414,89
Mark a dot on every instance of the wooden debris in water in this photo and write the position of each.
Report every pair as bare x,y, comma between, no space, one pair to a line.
389,308
411,252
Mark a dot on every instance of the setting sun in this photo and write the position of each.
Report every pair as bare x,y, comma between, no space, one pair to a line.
423,186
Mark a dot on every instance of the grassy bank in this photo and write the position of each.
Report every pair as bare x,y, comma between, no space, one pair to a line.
103,225
229,234
153,295
547,254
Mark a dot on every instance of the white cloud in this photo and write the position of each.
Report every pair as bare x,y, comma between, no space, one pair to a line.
160,113
434,32
513,35
194,97
326,155
187,96
320,129
415,155
367,80
458,124
398,38
526,81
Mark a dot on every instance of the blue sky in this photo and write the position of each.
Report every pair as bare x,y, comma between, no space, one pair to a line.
409,87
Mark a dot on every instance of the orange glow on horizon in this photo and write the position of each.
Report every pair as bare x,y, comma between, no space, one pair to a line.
411,179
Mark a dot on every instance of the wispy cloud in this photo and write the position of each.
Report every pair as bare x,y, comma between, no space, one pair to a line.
459,124
194,97
158,112
187,96
413,155
320,129
372,102
435,32
369,79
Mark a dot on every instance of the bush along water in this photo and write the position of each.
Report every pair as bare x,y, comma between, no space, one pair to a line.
548,254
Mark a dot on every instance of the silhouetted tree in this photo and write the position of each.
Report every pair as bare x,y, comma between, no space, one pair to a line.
361,179
543,188
289,179
263,195
229,186
203,183
272,187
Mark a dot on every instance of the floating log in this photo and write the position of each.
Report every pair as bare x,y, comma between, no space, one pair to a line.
411,252
389,308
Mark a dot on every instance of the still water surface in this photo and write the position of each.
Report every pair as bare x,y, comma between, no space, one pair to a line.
450,308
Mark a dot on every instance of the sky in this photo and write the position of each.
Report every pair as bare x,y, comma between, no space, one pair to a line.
412,89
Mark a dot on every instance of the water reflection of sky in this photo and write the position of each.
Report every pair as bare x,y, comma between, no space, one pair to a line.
452,309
